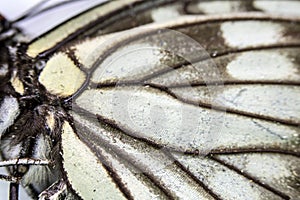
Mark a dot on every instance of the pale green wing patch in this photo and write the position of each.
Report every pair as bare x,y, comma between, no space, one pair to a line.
17,84
61,76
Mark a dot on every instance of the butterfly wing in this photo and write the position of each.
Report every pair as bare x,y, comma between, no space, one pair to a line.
152,127
146,104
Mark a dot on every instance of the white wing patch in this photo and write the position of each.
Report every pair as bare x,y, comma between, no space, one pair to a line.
165,13
151,161
273,101
131,177
286,7
260,65
251,33
151,115
210,7
155,116
129,63
84,170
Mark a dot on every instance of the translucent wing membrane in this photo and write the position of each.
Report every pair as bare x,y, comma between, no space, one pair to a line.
158,100
176,110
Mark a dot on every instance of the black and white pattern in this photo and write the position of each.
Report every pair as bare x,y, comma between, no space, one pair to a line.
157,100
